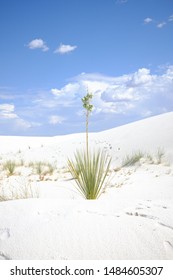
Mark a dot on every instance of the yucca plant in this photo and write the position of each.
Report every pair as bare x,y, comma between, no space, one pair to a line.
90,171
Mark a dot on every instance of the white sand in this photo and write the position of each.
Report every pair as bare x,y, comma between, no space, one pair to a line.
132,219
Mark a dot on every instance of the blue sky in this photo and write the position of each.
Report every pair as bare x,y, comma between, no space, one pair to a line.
51,51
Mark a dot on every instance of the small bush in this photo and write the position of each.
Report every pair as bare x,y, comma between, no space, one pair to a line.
21,163
39,166
149,157
10,166
43,168
51,168
159,155
132,159
89,171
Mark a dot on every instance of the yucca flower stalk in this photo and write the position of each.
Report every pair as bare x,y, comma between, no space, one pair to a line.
89,107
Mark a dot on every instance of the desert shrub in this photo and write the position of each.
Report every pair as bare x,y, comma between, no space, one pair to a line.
135,157
132,159
90,171
39,167
149,157
10,166
159,155
43,168
21,162
51,168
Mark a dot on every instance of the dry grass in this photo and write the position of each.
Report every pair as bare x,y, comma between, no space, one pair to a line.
18,191
132,159
10,166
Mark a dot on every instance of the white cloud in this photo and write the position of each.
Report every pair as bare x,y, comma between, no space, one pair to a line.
140,93
136,92
158,24
169,72
142,76
38,44
147,20
146,114
55,119
22,124
8,115
134,95
121,1
161,24
170,18
63,49
64,96
70,89
7,111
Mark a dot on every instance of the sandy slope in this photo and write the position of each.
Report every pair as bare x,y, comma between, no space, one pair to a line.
131,220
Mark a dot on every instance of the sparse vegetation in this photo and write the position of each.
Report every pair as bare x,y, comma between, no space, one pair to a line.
10,166
43,168
51,168
31,164
150,158
39,167
135,157
159,155
22,162
20,191
132,159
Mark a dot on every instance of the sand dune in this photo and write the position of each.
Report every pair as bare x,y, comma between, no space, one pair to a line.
132,219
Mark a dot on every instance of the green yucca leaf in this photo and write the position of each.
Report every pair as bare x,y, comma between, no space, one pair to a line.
89,172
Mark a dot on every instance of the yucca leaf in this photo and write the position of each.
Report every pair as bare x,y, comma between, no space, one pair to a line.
90,171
